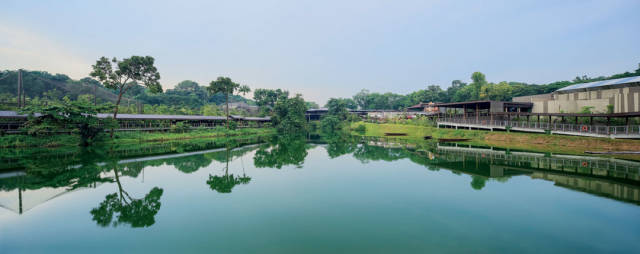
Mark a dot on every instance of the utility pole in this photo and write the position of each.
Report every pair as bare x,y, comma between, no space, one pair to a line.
19,89
24,95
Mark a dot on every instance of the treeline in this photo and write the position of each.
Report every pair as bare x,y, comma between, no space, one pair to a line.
188,97
478,89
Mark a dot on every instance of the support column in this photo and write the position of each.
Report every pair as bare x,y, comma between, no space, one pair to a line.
477,113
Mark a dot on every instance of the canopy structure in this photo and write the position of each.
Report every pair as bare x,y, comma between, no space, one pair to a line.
604,84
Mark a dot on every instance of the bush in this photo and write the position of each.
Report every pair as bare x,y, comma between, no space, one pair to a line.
179,127
330,123
233,125
361,128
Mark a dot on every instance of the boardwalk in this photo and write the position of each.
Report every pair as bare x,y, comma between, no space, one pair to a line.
625,131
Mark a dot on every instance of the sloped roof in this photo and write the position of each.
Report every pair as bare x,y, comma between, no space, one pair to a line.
611,83
14,114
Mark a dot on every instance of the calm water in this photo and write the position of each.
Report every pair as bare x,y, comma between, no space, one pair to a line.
294,196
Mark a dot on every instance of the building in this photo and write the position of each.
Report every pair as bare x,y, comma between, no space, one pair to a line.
241,105
608,96
429,107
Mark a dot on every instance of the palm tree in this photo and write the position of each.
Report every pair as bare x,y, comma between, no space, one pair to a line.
244,89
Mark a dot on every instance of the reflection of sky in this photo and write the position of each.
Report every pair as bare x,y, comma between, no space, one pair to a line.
330,205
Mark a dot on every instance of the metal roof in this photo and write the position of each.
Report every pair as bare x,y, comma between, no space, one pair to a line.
603,83
14,114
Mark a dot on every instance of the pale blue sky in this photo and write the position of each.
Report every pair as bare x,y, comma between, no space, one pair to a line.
328,49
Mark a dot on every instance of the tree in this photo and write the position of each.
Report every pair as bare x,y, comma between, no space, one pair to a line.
288,115
122,75
78,116
267,98
227,87
330,124
337,108
500,92
479,81
311,104
244,90
363,99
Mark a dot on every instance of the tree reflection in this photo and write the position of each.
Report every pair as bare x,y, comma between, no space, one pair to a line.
478,182
282,151
340,143
127,210
225,183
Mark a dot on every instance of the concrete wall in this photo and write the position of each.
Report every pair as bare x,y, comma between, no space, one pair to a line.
626,99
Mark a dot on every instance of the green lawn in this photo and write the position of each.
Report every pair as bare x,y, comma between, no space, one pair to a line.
60,140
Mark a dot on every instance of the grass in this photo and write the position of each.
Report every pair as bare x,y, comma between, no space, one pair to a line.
62,140
510,140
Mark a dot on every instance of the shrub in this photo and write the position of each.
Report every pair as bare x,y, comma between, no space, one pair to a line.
361,128
179,127
330,123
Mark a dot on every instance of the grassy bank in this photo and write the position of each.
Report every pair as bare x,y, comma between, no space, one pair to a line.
25,141
510,140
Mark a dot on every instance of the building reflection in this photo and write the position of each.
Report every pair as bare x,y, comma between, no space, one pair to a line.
606,177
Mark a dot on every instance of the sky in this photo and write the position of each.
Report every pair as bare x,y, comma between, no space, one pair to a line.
325,49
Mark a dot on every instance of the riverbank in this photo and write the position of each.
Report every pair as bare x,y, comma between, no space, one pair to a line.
64,140
510,140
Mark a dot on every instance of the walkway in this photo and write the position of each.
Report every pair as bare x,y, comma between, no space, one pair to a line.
625,131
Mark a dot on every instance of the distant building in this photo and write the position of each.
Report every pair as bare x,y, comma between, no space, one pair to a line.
241,105
622,95
429,107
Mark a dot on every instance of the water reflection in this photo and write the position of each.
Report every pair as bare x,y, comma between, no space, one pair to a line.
282,151
128,210
37,179
225,183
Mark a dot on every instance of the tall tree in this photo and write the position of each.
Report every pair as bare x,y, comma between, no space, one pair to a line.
267,98
227,87
479,80
122,75
288,115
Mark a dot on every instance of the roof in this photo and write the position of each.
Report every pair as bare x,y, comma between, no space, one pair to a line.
14,114
464,103
161,117
601,84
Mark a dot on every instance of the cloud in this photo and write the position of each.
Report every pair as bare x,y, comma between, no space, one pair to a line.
21,48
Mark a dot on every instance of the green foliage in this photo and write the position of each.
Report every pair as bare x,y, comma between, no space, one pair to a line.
117,75
76,116
361,129
312,105
284,150
180,127
289,115
227,87
337,108
330,124
610,108
586,110
478,182
266,99
135,212
211,110
479,80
